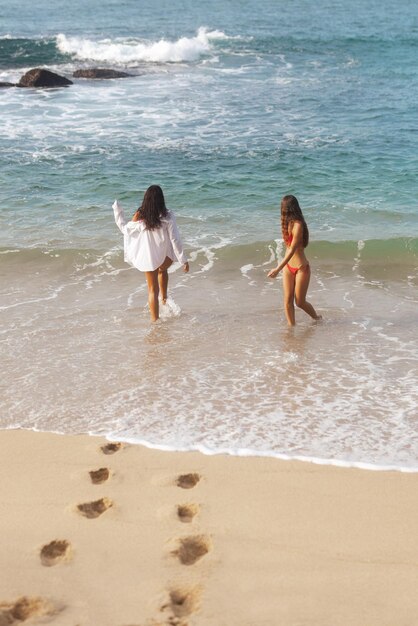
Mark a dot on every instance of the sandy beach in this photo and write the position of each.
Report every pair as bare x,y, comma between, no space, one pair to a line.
121,535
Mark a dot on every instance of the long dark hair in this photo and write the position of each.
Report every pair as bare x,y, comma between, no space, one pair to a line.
153,207
291,212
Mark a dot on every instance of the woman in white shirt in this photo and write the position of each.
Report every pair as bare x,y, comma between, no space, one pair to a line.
151,243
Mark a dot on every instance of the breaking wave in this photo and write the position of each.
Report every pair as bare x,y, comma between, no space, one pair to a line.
130,51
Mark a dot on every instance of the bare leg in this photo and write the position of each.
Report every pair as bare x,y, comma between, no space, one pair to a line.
163,278
153,290
289,296
301,289
163,283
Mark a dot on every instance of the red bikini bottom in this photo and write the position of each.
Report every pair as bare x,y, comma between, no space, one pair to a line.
295,270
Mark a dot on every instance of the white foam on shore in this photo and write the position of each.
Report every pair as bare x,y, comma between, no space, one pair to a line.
244,452
235,381
128,51
241,452
169,309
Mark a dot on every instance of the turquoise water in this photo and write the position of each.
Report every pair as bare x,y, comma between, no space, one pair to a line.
229,107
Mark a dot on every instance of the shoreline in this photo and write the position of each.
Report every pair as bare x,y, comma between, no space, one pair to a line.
242,453
190,539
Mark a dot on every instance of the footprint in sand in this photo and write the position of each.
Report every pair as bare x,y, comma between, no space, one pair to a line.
188,481
24,608
182,602
55,552
94,509
186,512
111,448
99,476
191,549
171,621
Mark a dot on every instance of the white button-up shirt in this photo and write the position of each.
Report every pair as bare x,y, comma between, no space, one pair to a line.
147,249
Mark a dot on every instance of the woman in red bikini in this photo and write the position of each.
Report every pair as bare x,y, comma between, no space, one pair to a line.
297,275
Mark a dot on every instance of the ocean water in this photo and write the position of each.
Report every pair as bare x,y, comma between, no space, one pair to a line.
230,106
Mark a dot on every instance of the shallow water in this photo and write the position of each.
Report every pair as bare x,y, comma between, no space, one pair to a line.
227,110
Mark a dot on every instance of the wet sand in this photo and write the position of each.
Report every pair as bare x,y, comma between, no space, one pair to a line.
127,536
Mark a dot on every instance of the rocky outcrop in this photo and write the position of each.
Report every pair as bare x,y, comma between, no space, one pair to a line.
7,85
39,77
97,73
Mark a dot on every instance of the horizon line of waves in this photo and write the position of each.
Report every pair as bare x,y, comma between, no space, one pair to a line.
17,50
130,50
396,250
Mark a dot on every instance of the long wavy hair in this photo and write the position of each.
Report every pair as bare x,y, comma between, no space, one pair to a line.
153,207
291,212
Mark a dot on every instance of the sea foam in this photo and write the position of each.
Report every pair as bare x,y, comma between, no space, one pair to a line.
130,51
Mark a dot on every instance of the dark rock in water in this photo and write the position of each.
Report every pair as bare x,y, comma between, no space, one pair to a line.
39,77
99,73
7,84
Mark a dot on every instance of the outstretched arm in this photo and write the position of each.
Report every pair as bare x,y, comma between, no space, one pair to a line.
119,216
297,241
